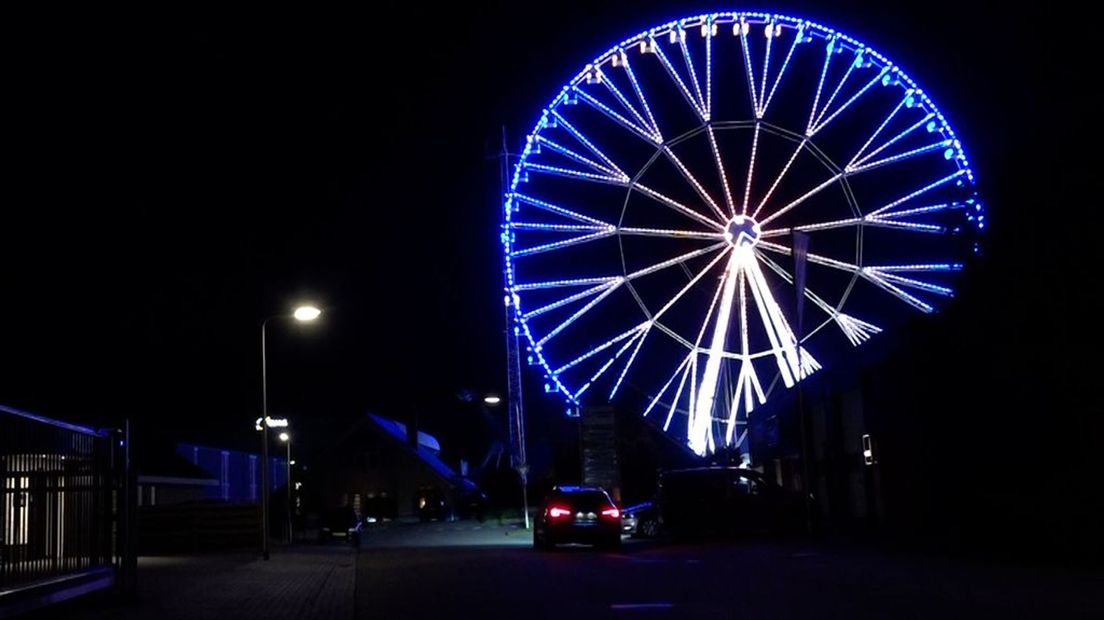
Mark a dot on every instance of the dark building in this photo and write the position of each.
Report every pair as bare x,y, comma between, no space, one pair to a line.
383,469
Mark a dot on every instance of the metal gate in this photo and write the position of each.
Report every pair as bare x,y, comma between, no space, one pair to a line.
60,492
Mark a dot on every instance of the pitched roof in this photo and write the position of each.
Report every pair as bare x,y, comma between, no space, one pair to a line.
397,431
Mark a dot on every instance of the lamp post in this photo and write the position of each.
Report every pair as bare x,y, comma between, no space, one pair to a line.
517,455
303,314
286,438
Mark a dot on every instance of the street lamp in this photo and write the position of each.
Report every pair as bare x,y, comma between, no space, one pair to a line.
522,468
303,314
286,438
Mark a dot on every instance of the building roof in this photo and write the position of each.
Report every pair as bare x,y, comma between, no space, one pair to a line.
428,455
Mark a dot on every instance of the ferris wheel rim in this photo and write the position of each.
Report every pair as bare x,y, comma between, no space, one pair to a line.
960,161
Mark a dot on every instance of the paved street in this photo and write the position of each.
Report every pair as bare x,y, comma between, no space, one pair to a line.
469,570
491,572
297,583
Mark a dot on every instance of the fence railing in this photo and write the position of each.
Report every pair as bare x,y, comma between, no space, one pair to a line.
60,498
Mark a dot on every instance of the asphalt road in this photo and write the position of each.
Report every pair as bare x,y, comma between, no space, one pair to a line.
467,571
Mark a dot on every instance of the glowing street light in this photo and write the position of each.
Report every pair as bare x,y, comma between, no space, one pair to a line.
284,437
492,399
306,314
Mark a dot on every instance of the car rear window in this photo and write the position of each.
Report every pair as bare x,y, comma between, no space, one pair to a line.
586,499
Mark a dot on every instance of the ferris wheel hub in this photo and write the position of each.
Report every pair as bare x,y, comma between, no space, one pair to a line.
742,231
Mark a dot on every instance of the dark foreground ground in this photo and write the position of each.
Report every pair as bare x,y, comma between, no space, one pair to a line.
467,570
455,571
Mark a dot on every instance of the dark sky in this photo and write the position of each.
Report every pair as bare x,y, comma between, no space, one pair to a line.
173,178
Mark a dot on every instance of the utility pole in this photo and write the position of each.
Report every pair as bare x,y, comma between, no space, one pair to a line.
515,410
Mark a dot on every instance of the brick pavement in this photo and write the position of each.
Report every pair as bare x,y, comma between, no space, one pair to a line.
297,583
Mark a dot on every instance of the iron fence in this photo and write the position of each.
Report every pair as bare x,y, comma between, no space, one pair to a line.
60,498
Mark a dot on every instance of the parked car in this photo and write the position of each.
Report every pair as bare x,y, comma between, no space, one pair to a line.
472,505
577,514
725,501
641,520
338,523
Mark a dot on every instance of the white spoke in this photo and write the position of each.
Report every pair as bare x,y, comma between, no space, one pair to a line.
708,31
940,267
536,286
598,349
881,222
853,99
942,144
580,312
855,330
800,200
563,122
551,208
688,286
832,97
751,168
677,206
576,174
686,94
558,227
612,171
781,71
693,76
643,101
616,92
629,363
922,190
769,32
812,258
678,260
663,390
555,245
792,365
661,312
828,53
678,393
721,170
617,118
871,274
744,46
701,423
693,181
567,300
601,371
693,356
912,283
613,286
782,232
896,291
778,179
747,389
857,161
859,154
946,206
672,234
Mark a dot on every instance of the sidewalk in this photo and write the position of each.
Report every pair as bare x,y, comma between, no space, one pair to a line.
298,582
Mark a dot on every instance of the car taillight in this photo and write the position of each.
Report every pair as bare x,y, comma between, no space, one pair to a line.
558,511
612,513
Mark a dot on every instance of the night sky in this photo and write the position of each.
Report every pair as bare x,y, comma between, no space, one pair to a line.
174,178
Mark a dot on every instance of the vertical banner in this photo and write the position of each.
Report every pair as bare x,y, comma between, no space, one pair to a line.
800,254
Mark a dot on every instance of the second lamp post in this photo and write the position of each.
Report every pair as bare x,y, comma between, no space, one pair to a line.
303,314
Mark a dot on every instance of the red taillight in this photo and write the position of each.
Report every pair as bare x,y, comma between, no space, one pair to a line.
612,513
558,511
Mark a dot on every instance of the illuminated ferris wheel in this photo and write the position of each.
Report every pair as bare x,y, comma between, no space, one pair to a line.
652,220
